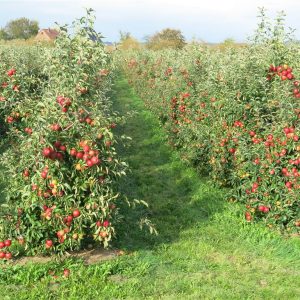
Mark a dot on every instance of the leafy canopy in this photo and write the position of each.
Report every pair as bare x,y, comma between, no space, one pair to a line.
21,28
167,38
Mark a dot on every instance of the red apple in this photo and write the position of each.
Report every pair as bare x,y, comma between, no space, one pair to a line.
106,223
57,144
47,152
73,152
89,163
79,155
95,160
76,213
7,243
69,218
49,244
248,216
26,173
86,148
67,272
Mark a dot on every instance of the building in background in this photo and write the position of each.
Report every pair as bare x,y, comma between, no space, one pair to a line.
47,35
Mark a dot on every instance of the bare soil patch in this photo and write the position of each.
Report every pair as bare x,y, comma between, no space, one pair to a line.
89,257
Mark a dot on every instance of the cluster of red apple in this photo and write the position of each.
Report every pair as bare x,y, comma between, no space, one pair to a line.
68,220
55,127
248,216
86,119
283,71
14,116
28,130
263,209
10,119
64,102
47,214
66,273
105,223
49,192
182,107
254,188
255,140
290,133
61,234
90,156
15,87
294,173
4,245
53,154
11,72
238,124
270,142
296,91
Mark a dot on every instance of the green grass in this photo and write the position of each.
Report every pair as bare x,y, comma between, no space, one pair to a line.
204,249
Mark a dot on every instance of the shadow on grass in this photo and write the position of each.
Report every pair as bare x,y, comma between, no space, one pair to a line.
2,193
3,147
178,199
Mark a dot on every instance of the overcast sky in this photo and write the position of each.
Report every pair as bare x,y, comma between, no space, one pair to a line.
209,20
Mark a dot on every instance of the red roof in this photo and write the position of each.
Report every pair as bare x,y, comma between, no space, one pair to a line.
51,33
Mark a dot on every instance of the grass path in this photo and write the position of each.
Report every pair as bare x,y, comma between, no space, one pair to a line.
203,251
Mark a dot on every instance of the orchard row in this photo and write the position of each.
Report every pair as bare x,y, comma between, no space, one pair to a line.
233,114
60,161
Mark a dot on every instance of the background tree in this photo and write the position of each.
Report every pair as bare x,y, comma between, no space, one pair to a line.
230,43
167,38
22,28
128,42
124,35
3,34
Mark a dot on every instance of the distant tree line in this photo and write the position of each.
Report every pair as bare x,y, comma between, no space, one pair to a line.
166,38
21,28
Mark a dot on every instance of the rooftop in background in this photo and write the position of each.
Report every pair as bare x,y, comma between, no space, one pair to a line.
47,35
